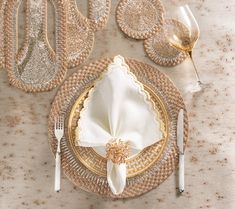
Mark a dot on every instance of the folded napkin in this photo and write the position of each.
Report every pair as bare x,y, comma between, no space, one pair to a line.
119,115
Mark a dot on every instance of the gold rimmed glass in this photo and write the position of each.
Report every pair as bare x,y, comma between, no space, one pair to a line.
186,38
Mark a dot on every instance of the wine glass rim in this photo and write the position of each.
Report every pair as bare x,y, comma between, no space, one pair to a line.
184,5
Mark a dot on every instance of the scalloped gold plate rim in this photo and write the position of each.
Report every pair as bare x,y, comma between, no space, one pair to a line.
157,147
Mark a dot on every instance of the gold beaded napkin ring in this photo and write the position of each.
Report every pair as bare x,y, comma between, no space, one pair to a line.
117,151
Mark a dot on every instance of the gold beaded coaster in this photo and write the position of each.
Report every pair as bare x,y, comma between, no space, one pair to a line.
85,166
80,30
140,19
35,67
159,49
2,57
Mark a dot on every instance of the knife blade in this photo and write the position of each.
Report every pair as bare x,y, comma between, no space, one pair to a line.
180,131
180,144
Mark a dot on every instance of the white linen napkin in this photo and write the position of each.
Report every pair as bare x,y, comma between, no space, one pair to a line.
118,111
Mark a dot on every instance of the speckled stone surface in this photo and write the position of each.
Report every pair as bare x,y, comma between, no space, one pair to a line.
27,165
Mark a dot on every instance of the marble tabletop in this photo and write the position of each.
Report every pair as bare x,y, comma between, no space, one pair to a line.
27,165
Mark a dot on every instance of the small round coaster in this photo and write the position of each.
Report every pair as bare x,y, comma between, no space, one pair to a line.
140,19
161,52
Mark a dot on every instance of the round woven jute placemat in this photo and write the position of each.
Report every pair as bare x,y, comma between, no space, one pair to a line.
76,171
159,49
140,19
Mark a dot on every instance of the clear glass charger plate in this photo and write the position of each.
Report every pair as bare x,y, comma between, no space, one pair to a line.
154,164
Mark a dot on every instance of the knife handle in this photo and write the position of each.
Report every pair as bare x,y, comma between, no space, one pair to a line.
181,173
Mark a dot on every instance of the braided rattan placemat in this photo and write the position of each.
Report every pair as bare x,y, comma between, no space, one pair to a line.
81,30
154,175
159,49
35,67
140,19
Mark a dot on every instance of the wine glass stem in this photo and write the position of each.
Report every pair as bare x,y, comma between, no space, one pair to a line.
195,69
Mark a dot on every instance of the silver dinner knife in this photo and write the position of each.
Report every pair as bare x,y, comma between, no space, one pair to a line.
180,144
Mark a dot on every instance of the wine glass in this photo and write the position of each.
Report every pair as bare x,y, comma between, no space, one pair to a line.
184,34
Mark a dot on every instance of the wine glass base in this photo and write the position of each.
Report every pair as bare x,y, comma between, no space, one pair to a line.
193,88
199,86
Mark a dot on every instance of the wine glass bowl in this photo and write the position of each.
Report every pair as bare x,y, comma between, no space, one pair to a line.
185,36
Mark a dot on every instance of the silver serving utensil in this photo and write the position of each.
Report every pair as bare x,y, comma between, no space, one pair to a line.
59,132
180,144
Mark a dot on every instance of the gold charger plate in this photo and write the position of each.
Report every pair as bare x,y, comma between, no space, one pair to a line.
147,179
137,162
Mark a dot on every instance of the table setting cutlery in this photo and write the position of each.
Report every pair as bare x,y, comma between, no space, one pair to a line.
180,144
59,132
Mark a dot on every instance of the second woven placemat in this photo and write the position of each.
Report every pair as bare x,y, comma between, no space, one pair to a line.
159,49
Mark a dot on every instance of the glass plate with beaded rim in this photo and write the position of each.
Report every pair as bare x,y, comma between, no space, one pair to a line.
69,100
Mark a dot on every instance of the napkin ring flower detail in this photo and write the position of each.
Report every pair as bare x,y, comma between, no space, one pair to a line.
119,116
117,151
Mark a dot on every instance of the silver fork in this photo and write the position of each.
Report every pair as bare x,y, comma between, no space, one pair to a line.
59,132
